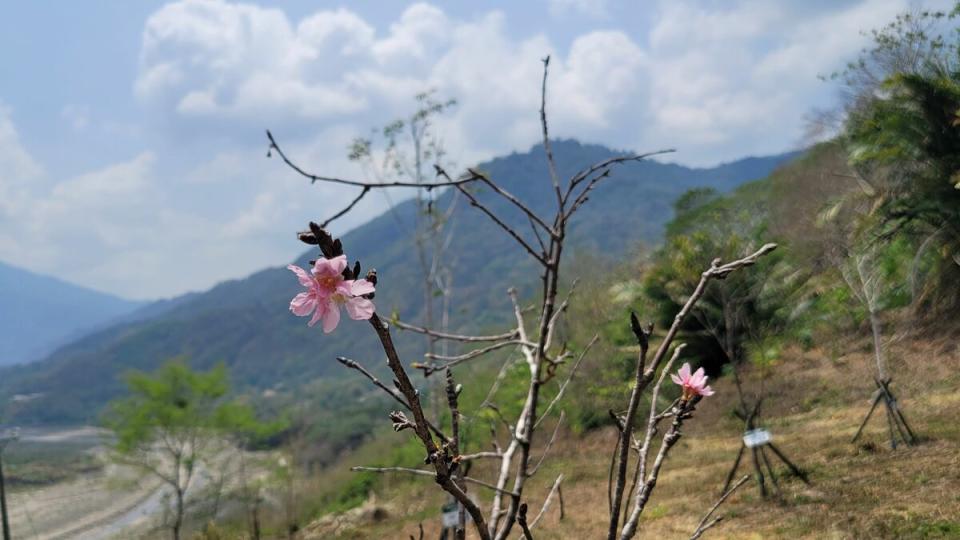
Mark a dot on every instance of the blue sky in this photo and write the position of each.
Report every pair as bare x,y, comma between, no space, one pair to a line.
131,133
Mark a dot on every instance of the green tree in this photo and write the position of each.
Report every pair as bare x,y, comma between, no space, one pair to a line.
736,313
903,139
169,425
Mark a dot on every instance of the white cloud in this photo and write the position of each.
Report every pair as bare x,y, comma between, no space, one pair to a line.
718,80
737,78
333,66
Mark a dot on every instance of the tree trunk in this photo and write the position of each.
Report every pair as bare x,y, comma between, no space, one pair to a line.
877,346
178,518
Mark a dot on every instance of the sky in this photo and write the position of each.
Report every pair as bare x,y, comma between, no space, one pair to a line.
132,147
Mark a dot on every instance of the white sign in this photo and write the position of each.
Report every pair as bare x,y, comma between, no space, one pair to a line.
451,519
756,437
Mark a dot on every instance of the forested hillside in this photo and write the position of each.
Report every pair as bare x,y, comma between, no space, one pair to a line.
246,323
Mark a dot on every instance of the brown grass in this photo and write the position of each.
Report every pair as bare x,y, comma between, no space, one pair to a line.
815,403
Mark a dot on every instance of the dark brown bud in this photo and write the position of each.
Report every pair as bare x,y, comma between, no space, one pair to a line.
307,237
641,334
372,276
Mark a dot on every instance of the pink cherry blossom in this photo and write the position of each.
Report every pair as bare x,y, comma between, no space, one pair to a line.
693,385
327,291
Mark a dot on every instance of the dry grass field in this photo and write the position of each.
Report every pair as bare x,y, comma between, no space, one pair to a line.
814,405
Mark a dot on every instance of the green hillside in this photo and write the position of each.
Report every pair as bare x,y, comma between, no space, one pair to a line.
246,324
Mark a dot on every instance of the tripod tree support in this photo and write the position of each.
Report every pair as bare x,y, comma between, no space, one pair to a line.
896,421
758,442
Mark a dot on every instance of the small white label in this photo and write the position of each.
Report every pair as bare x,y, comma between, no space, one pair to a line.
451,519
756,437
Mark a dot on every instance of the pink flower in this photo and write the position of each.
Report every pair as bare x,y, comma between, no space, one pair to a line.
693,385
327,291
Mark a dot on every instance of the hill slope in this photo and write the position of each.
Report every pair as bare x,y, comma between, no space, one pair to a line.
246,324
39,313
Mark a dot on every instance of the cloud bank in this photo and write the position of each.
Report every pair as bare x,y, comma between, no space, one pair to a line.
717,80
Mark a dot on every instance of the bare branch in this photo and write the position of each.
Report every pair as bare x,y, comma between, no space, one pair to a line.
349,207
453,337
704,525
440,460
522,520
536,234
563,387
424,472
653,420
274,147
576,179
508,229
546,503
451,361
592,178
546,449
516,202
646,489
393,392
480,455
622,454
548,150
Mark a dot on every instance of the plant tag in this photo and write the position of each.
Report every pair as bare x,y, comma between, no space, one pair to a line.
451,515
756,437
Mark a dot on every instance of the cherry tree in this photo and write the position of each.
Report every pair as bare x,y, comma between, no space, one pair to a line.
641,450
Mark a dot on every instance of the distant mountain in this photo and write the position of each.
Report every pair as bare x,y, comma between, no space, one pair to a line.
40,313
246,323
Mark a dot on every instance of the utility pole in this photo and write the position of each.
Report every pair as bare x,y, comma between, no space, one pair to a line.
6,437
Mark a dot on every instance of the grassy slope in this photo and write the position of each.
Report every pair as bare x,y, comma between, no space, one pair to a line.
858,491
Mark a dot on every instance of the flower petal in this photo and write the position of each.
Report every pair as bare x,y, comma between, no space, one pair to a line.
330,267
685,371
361,287
302,276
699,378
706,391
303,304
318,314
360,309
331,318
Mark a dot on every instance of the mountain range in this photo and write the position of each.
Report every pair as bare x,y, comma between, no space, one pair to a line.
246,323
40,313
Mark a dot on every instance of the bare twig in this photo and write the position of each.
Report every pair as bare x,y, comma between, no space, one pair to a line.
451,361
500,223
546,449
546,503
516,202
394,393
349,207
423,472
704,524
274,147
563,387
454,337
548,150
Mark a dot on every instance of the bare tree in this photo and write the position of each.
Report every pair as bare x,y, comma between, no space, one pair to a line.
542,351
